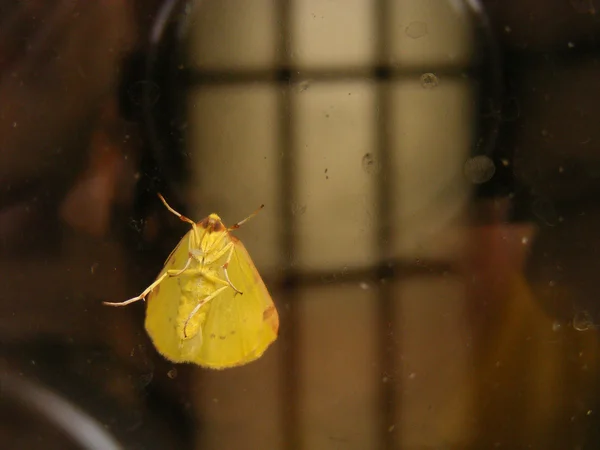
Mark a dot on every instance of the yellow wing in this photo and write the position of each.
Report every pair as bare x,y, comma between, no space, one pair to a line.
238,327
164,303
230,330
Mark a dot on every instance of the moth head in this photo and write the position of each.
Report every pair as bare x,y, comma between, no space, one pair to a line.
212,223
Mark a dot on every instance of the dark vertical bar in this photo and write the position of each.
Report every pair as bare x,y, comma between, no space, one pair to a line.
290,328
387,342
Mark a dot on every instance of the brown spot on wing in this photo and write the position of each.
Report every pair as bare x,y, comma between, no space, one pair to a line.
267,313
270,318
156,290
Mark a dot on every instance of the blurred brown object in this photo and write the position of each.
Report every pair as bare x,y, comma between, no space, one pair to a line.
535,368
109,178
538,336
53,89
53,86
68,160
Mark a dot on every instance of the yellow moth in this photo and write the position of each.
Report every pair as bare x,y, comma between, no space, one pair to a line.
209,305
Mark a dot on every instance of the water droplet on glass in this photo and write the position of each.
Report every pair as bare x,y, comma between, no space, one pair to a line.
479,169
298,209
556,326
364,285
172,374
583,321
370,164
416,30
429,81
303,85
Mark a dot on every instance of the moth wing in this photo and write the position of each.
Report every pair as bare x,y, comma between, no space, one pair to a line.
238,327
163,306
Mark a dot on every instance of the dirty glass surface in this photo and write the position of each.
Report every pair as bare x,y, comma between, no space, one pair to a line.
430,177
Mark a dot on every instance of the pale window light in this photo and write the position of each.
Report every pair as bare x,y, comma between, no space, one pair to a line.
325,125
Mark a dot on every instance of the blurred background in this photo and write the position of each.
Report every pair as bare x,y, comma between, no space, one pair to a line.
430,170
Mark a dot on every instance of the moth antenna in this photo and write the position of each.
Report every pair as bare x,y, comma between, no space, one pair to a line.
172,210
242,222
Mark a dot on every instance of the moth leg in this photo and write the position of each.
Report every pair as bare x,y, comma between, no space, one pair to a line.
218,241
227,273
228,248
220,253
142,296
176,273
202,254
200,304
206,276
197,254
